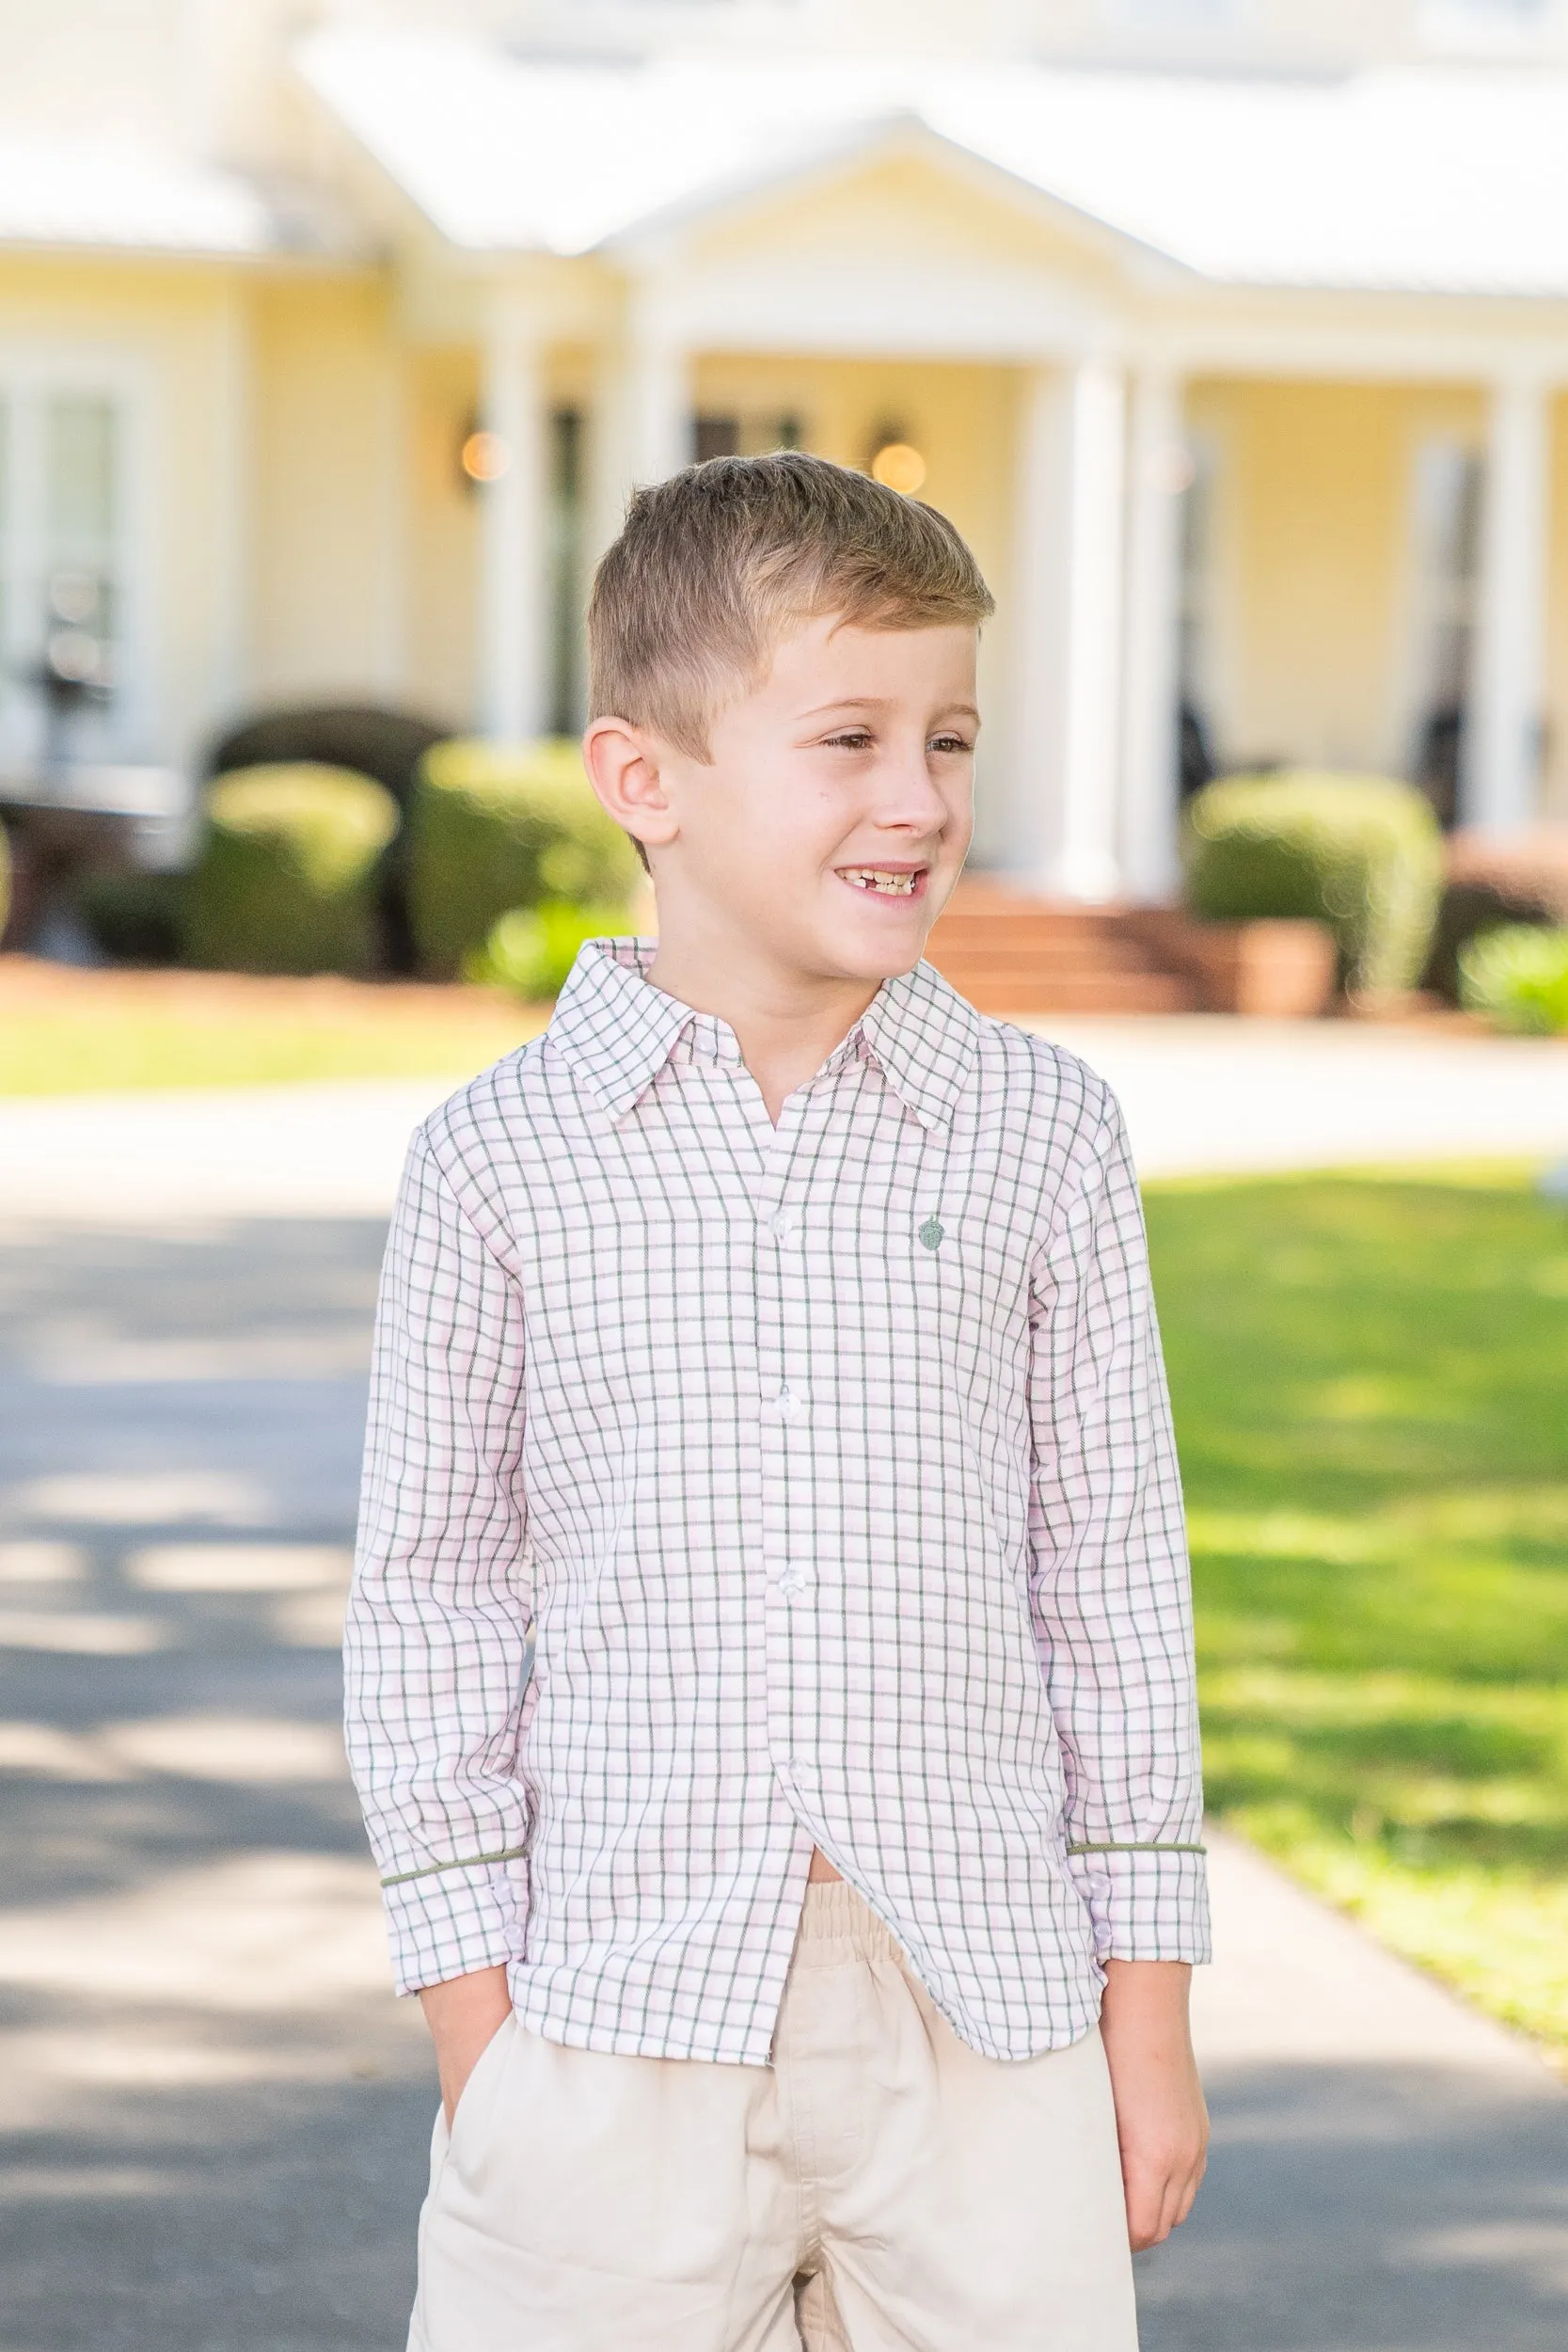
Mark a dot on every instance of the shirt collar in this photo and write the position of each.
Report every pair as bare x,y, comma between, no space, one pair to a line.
620,1030
614,1024
924,1037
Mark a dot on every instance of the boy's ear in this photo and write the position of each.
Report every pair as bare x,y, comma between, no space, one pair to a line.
623,767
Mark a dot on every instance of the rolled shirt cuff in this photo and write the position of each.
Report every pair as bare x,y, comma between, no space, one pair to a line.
442,1924
1147,1902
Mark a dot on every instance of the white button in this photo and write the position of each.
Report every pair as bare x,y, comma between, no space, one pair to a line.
790,1406
783,1225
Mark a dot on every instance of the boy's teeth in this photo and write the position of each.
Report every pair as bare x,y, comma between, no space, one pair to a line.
890,886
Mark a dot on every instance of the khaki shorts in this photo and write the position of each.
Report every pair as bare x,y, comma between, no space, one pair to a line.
879,2188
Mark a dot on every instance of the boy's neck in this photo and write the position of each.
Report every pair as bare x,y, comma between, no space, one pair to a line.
787,1023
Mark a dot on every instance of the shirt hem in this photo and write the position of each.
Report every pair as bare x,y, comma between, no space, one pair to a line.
755,2047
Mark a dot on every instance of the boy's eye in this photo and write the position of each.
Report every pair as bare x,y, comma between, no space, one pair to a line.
949,743
851,739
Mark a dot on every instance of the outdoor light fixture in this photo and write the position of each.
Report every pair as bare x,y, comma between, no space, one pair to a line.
899,467
484,456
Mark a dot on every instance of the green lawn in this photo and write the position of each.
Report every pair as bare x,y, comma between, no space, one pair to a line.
76,1049
1370,1379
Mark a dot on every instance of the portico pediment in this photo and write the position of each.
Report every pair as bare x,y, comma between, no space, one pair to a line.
899,241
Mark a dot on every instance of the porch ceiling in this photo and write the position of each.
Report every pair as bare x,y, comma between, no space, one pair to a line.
1420,182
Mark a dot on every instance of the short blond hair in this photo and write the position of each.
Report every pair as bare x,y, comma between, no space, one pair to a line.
713,566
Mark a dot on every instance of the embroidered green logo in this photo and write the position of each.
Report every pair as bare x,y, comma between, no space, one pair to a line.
931,1232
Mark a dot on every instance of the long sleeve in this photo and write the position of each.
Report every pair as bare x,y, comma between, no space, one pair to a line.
438,1618
1110,1582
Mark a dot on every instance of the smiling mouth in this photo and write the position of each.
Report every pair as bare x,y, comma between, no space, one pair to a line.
885,881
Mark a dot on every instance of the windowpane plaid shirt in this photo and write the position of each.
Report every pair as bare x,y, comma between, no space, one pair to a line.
734,1489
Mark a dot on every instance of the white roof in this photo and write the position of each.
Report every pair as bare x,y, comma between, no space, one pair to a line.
76,193
1445,180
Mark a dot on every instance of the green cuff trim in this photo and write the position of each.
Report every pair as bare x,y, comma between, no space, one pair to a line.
1155,1846
471,1861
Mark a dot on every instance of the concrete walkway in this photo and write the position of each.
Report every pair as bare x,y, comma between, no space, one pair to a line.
1202,1096
211,2112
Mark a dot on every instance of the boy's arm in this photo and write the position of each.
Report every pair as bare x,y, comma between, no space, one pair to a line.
437,1620
1113,1619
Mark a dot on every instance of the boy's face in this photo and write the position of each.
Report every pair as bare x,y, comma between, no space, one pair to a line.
829,822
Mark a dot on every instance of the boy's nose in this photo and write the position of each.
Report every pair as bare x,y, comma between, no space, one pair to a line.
909,798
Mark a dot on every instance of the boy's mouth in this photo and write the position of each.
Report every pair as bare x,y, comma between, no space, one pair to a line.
885,881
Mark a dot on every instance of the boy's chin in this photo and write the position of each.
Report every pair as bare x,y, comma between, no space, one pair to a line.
873,960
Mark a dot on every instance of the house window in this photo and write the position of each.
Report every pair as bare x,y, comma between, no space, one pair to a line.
568,687
750,435
1195,600
64,575
1479,27
1447,498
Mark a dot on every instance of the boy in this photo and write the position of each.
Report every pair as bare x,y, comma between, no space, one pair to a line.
769,1664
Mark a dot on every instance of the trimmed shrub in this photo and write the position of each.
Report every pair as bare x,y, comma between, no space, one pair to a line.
386,745
493,829
1518,977
1493,883
287,877
531,950
368,740
135,919
1361,853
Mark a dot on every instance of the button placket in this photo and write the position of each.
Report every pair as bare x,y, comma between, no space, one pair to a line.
783,1403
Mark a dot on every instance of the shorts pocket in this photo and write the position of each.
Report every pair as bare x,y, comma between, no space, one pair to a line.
620,2166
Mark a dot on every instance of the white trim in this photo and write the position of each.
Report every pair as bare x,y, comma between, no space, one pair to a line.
1066,640
31,373
1502,758
1094,404
513,619
1149,781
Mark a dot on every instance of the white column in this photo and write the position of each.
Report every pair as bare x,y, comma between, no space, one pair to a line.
1150,780
514,617
1066,634
1502,752
659,388
642,424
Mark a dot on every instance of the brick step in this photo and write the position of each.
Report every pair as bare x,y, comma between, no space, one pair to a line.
1082,991
1007,952
1027,928
1055,955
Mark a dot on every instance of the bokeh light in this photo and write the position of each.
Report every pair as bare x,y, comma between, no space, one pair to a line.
484,456
899,467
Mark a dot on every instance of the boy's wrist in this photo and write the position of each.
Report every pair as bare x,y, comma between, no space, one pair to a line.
464,2015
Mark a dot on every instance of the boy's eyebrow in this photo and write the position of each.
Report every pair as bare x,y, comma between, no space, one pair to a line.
881,702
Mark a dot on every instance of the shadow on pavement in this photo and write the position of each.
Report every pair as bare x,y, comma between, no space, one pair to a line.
1370,2209
214,2115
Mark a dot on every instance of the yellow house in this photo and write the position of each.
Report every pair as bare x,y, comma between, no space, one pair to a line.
328,358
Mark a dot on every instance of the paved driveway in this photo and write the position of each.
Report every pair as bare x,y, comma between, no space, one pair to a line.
214,2115
1201,1095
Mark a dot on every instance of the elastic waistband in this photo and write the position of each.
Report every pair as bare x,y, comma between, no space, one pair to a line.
837,1925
